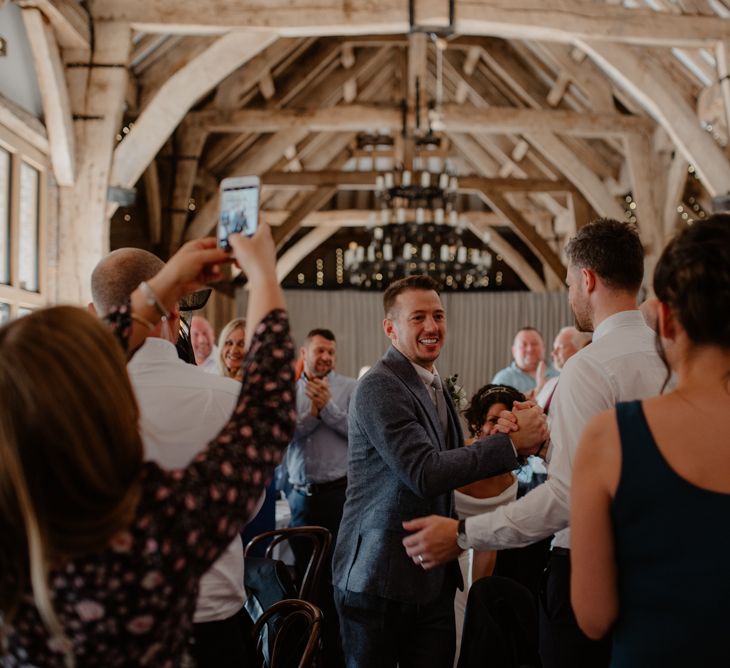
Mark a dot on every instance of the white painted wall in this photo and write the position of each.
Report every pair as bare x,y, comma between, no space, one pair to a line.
17,75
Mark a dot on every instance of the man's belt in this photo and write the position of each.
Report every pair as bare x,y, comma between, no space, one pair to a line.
312,488
561,551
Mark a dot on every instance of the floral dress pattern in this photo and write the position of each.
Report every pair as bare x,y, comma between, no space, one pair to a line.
133,604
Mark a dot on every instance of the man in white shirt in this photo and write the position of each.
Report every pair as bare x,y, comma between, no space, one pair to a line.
605,270
202,339
181,410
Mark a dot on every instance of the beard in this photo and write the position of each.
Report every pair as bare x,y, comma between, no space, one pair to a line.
583,318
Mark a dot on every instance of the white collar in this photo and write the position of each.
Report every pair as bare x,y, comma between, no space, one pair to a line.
632,317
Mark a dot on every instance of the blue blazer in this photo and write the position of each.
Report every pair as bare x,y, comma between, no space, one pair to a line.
400,466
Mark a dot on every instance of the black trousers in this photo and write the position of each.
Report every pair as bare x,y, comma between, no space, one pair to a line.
562,643
224,644
322,509
379,633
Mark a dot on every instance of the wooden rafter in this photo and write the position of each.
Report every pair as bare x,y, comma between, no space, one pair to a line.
174,99
54,93
650,85
68,19
531,236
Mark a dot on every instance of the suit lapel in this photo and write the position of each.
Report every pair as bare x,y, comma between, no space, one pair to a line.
456,436
404,370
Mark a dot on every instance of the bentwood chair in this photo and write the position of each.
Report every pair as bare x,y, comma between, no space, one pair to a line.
287,634
316,541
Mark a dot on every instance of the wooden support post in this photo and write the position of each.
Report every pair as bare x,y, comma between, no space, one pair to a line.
189,148
98,105
582,211
151,180
641,161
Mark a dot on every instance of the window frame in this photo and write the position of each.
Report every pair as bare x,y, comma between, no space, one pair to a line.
21,151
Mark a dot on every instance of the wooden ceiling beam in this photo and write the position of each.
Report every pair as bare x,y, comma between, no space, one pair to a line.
548,20
360,180
454,118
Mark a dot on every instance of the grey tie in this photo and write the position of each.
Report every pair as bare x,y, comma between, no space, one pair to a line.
441,403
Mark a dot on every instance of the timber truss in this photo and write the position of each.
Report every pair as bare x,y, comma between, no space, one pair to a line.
554,111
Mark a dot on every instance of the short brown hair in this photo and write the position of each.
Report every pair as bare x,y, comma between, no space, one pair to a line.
416,282
613,250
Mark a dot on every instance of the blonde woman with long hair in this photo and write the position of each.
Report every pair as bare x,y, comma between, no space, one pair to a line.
232,348
101,552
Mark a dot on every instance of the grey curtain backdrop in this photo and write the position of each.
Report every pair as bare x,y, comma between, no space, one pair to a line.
480,327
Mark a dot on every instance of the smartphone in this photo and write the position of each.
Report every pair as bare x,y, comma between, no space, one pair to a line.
239,212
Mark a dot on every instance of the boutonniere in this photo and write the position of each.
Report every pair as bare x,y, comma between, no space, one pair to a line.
456,391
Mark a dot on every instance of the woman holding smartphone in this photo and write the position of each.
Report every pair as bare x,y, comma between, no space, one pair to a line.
651,483
101,552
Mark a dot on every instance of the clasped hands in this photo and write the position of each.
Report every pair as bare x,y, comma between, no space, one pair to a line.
434,540
318,391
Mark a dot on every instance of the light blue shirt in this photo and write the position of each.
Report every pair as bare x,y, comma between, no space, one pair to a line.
318,451
517,378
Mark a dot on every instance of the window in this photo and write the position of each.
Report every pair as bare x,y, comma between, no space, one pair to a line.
4,216
23,183
28,228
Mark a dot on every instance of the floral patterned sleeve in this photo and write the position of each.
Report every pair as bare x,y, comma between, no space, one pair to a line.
120,320
202,507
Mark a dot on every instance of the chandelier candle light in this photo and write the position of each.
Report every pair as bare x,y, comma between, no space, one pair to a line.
419,231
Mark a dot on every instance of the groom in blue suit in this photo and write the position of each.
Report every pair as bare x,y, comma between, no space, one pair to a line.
405,458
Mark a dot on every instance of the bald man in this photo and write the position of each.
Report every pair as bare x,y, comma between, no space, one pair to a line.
202,338
567,343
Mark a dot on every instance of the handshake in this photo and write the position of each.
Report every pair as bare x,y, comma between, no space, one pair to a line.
526,425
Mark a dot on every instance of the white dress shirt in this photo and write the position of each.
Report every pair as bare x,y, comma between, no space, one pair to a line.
181,409
621,364
210,364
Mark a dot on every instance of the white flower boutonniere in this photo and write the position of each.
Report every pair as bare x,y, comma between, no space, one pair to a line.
456,391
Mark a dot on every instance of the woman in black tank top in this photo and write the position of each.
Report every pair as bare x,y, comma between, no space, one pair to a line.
651,482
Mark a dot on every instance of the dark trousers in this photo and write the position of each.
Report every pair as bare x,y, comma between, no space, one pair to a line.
224,644
379,633
322,509
562,643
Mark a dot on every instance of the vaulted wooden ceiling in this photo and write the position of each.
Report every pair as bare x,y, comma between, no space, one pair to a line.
552,111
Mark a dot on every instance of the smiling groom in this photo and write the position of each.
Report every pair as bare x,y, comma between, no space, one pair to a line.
405,458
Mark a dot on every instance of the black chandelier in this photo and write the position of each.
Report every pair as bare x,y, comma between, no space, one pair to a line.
404,248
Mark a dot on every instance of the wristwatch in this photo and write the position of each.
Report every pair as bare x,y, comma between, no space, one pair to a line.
461,539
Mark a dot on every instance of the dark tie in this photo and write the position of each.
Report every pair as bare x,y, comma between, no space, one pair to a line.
441,403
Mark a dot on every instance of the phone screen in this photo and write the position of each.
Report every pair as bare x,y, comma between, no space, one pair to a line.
239,212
